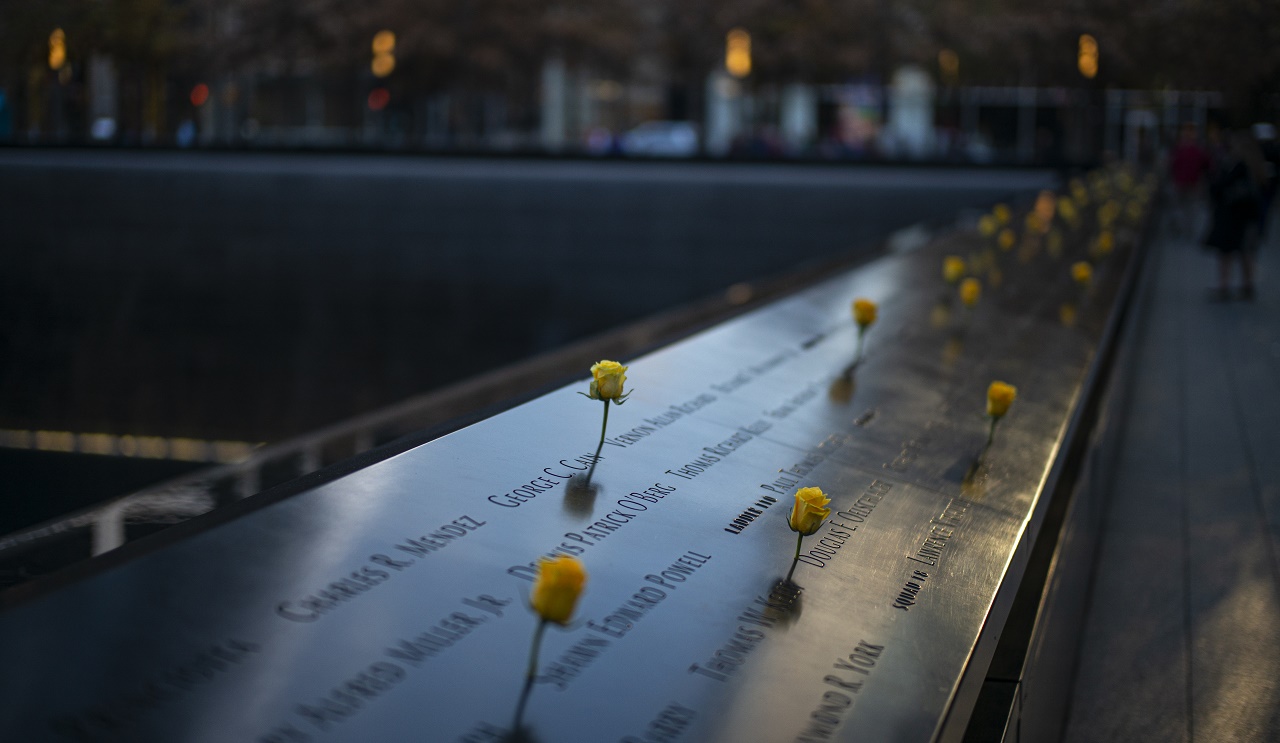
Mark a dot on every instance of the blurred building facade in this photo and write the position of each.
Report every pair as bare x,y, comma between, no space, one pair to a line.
947,80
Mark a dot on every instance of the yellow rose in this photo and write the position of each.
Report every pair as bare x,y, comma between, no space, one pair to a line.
1053,244
864,312
970,292
940,315
1006,239
1107,213
1082,272
606,380
1067,209
1106,242
555,592
1002,213
953,268
1079,192
999,397
809,511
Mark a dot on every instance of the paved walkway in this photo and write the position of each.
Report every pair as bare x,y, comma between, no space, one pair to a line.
1182,638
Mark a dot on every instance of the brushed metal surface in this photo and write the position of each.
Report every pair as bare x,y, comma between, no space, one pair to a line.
228,634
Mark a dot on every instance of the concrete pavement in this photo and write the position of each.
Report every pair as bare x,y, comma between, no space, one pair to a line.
1182,638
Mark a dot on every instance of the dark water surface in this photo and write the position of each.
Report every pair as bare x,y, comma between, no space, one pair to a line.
255,297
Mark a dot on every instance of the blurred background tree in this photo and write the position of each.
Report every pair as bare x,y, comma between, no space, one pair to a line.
476,51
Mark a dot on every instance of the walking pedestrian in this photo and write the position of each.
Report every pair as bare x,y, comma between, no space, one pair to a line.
1236,196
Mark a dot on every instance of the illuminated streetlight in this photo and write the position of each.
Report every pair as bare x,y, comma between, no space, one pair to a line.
57,49
384,58
1087,56
737,54
949,65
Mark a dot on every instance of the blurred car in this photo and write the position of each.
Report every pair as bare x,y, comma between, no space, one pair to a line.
661,139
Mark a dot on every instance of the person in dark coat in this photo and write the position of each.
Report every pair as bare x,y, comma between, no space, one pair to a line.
1235,193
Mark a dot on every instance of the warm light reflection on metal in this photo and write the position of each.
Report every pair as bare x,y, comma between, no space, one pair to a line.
1087,57
57,49
1046,207
737,55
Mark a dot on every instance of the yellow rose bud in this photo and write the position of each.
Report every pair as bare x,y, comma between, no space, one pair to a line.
1082,272
999,397
1079,192
606,380
1106,242
864,312
809,510
953,268
988,225
1006,239
1067,209
1002,213
1053,244
940,315
970,292
555,592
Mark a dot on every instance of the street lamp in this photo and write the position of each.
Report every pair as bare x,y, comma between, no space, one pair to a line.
737,53
57,50
949,65
384,58
1087,56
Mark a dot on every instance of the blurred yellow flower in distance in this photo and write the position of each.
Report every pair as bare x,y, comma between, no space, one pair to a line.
999,397
1082,272
864,312
970,291
953,268
1067,315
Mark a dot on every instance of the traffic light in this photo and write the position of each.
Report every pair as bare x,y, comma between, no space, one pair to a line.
1087,57
737,53
384,57
57,50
